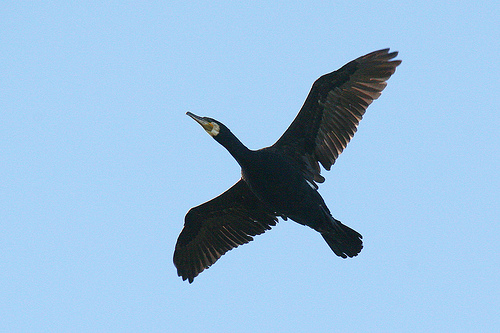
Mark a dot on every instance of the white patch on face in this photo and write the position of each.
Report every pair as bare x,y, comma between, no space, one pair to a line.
215,129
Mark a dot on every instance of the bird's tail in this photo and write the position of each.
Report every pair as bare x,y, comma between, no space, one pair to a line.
344,241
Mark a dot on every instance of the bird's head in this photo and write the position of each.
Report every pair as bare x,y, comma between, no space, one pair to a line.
221,134
210,125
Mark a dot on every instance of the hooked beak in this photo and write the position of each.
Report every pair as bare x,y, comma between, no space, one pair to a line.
208,126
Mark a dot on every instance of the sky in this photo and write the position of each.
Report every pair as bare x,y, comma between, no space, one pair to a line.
99,165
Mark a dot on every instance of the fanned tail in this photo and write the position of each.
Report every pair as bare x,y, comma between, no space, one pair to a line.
344,241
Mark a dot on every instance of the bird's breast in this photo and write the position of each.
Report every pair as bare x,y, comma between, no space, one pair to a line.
277,183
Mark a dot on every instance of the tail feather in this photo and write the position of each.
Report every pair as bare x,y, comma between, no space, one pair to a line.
344,241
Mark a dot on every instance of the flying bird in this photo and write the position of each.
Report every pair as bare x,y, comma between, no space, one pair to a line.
281,180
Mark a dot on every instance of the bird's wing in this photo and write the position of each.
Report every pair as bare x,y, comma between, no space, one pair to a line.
217,226
332,111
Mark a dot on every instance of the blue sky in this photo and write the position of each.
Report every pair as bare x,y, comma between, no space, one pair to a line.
99,165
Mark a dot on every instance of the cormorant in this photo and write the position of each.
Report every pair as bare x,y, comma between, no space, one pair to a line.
280,180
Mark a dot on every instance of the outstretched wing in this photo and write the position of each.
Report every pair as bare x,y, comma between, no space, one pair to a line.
332,111
217,226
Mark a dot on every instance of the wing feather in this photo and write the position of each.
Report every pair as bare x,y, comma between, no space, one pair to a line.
217,226
333,109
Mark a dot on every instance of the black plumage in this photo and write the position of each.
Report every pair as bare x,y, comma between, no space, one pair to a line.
280,180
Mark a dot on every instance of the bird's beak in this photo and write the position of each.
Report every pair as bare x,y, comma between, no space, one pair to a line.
208,126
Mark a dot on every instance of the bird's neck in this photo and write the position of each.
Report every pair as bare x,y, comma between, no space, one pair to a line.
235,147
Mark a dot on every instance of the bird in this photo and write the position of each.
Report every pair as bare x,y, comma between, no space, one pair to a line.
281,181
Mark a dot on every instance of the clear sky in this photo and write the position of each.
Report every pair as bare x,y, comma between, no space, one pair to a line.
99,164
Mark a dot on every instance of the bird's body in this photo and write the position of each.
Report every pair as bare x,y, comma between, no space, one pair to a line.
275,181
280,180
